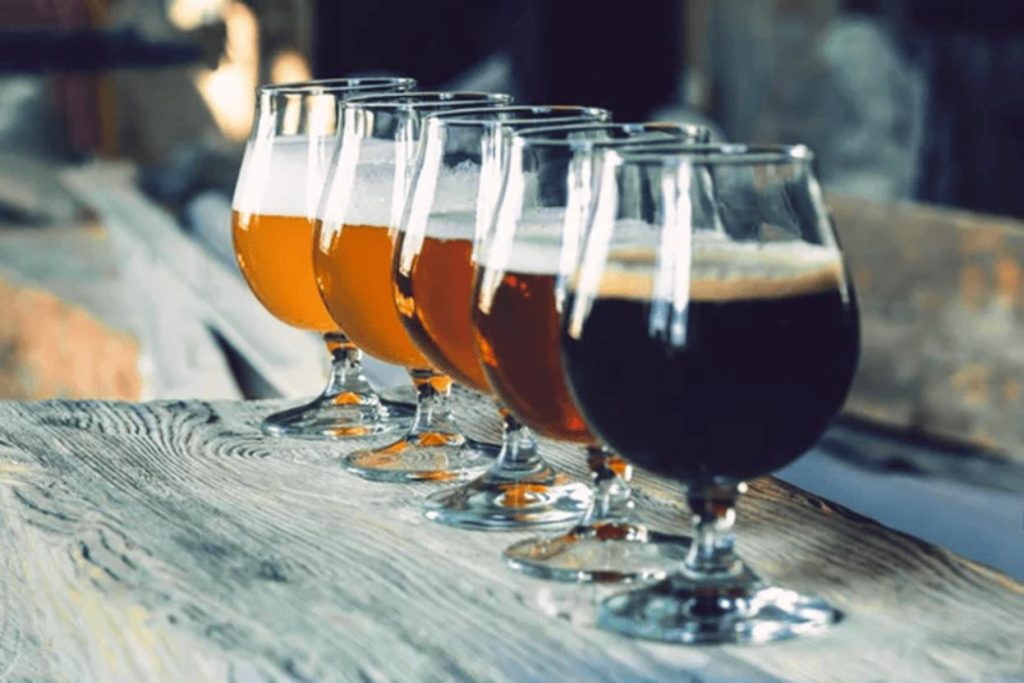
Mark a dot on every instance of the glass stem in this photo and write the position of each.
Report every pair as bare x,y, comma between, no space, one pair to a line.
433,404
346,382
518,446
711,556
609,475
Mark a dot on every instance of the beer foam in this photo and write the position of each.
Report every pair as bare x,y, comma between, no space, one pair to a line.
452,225
283,177
534,248
724,270
286,176
452,200
370,196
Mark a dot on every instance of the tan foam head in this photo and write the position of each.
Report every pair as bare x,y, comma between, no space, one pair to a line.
721,270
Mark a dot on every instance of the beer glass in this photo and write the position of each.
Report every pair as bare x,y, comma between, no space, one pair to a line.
451,198
711,295
528,252
275,202
362,201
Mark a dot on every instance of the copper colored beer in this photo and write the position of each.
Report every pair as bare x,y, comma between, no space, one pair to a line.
519,345
434,300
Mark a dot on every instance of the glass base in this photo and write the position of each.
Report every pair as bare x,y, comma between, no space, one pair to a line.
602,552
680,610
503,499
426,456
335,417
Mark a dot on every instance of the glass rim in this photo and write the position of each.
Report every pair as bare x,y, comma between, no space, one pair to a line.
479,116
330,85
710,154
534,137
425,99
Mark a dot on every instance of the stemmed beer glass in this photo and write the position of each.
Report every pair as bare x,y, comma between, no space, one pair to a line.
452,198
528,251
276,197
362,201
712,296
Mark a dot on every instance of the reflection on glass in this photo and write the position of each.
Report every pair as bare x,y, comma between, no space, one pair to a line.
520,285
275,203
452,199
711,294
352,255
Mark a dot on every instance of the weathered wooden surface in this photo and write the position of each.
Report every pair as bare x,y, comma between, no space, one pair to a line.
170,541
64,327
82,316
191,285
941,294
869,447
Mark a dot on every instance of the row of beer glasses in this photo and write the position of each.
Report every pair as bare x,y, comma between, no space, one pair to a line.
620,286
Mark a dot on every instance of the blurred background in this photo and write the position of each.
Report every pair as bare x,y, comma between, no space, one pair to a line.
122,124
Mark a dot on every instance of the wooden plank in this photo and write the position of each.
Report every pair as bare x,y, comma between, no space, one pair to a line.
64,328
291,361
871,447
29,190
942,317
78,297
79,320
170,541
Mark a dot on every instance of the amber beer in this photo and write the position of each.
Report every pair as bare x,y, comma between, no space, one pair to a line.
275,256
519,333
353,272
434,300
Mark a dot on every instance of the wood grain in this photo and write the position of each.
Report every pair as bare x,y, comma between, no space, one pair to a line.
170,541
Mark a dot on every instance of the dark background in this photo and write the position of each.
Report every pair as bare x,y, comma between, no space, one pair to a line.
901,99
966,57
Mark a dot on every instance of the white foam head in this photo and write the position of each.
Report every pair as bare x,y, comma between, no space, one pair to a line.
452,225
283,176
532,245
446,201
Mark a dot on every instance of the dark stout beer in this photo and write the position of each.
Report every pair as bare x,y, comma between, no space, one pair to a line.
739,382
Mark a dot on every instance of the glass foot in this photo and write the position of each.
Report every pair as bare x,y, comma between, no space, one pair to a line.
681,610
602,552
424,456
509,500
343,416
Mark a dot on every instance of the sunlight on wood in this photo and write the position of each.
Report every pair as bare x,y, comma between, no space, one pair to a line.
228,89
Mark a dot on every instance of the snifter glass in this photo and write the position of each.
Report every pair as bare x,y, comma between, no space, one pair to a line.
528,251
452,197
352,254
711,294
276,197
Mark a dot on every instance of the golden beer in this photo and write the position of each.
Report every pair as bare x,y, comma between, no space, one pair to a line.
434,301
353,273
275,256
